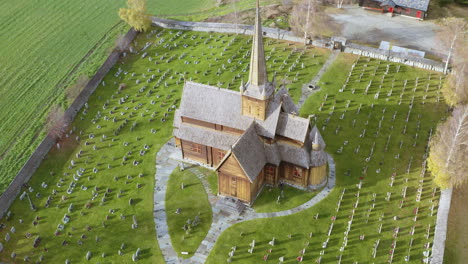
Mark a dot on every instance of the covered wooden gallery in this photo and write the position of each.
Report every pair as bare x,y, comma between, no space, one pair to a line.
252,137
411,8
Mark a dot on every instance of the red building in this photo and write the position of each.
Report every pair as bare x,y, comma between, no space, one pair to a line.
411,8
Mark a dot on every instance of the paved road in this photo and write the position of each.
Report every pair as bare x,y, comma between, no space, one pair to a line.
371,27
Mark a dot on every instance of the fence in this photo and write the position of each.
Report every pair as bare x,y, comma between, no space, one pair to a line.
438,248
289,36
7,198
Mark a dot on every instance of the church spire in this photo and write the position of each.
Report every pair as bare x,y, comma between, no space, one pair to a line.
258,73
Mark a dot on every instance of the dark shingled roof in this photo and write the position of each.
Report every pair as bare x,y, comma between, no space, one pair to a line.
288,105
294,155
208,137
293,127
250,153
415,4
272,154
223,107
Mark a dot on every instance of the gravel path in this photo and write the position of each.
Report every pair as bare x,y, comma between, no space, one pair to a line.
306,92
372,27
167,160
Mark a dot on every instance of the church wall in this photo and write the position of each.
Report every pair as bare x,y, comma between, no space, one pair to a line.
233,181
293,174
317,175
195,151
270,172
254,107
218,155
256,186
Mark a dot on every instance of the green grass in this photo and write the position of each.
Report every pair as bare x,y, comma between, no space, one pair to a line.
138,109
45,47
192,201
293,197
350,169
212,178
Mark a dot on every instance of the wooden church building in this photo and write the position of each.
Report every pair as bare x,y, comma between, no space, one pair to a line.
252,137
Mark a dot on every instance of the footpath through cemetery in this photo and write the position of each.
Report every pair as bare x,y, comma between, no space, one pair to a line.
113,190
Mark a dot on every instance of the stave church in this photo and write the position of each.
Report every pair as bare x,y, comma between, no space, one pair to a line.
252,137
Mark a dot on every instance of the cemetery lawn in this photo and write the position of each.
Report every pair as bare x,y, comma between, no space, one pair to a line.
42,57
309,229
293,197
212,179
148,108
192,201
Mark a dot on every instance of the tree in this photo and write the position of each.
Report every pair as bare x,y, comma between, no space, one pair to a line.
235,14
136,15
452,37
56,122
339,3
301,16
306,19
448,150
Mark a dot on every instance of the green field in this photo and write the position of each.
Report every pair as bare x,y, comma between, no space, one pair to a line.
192,202
398,152
45,47
148,109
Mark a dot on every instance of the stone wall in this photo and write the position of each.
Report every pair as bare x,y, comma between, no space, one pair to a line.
440,235
289,36
230,28
412,61
7,198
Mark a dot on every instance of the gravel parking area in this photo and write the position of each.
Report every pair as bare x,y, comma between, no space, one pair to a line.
371,27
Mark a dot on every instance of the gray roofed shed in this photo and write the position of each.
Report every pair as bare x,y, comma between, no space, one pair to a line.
415,4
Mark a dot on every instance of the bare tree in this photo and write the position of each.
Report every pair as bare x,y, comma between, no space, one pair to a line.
448,150
455,89
339,3
73,91
56,122
302,14
235,14
307,19
452,37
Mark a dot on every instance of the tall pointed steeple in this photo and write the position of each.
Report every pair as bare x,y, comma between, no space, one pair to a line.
257,92
258,86
258,73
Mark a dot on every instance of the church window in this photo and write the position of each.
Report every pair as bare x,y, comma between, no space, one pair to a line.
297,172
196,148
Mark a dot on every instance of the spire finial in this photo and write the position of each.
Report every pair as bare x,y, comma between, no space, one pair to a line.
258,73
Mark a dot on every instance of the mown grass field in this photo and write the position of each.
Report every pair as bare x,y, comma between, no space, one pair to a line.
192,202
397,152
149,113
45,47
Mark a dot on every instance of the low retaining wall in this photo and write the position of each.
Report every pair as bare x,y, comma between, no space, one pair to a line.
289,36
394,57
7,198
274,33
438,248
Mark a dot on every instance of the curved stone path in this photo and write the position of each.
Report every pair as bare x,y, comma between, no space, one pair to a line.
167,160
306,92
